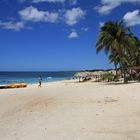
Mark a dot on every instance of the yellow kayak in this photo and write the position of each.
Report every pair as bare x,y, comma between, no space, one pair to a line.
18,85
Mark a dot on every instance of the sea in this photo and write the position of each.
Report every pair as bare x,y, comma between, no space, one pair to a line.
33,77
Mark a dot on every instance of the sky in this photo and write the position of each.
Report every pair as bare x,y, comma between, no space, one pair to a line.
59,35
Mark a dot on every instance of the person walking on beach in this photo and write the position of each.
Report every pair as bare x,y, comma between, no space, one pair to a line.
40,81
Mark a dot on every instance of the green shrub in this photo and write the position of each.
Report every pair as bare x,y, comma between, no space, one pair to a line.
109,77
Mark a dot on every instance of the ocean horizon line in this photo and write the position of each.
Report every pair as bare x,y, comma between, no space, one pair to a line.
96,69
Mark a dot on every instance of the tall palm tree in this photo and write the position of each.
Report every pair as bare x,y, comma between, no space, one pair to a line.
115,38
135,52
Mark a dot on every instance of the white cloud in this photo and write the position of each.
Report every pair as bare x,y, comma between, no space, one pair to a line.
73,16
108,5
71,2
132,18
16,26
73,35
69,17
101,24
51,1
33,14
105,9
85,29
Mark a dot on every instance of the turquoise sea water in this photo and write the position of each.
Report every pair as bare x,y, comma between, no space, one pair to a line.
33,77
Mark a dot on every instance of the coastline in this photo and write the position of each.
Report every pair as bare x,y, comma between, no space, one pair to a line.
33,77
70,110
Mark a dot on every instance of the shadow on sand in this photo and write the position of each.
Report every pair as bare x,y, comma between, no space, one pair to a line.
120,83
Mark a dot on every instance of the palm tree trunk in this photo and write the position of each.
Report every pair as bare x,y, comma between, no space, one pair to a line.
116,69
116,76
124,75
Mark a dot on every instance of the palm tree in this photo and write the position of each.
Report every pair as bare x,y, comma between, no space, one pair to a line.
135,52
115,38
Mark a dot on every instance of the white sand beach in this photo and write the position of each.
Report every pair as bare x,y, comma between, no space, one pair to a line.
71,111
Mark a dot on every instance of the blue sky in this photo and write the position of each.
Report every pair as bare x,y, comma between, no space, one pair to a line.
53,35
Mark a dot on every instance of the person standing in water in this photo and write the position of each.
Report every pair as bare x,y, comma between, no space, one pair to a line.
40,81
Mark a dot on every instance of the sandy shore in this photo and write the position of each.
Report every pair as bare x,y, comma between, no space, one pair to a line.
71,111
